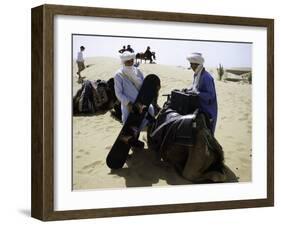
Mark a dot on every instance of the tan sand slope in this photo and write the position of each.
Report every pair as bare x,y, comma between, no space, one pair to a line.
93,136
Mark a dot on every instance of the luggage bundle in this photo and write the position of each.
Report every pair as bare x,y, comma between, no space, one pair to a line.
92,97
176,121
184,103
100,93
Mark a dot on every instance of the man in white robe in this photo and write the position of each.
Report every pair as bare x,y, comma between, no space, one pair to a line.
127,83
80,61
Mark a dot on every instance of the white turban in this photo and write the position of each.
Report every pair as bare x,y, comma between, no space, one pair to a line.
125,56
196,58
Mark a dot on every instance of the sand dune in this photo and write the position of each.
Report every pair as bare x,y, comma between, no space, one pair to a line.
93,136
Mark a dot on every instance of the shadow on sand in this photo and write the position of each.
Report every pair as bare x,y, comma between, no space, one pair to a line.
145,170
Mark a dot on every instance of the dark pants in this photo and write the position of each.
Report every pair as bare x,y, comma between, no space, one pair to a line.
81,67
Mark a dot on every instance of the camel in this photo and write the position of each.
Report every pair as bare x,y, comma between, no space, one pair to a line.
199,161
95,97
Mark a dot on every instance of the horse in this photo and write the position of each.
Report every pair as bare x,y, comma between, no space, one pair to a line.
146,56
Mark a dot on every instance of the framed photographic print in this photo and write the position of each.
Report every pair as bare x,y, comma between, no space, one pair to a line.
142,112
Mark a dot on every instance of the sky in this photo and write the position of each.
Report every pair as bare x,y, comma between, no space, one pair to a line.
169,52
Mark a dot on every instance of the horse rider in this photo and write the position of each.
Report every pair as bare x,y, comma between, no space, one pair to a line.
122,50
129,48
148,54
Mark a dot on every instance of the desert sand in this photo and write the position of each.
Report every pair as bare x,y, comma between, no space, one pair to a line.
93,136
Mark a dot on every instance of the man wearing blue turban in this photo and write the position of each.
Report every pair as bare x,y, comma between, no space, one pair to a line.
204,85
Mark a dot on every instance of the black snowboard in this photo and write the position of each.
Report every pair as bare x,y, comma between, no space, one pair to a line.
118,154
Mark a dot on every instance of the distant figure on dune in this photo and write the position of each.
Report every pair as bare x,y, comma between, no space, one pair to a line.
148,54
203,84
80,61
122,50
129,49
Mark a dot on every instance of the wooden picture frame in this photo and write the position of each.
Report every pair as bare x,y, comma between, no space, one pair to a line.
42,203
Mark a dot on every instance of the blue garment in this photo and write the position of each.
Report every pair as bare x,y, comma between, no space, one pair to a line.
208,97
126,92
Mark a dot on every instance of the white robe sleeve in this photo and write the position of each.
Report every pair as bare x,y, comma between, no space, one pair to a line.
118,87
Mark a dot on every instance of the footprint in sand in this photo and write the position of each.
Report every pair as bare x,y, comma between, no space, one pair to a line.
92,165
94,127
81,151
240,149
106,137
78,157
246,115
86,121
239,143
108,147
90,171
110,128
99,122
